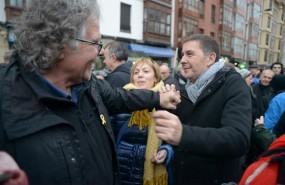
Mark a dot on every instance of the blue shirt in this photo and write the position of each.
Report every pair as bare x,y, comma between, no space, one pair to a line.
58,92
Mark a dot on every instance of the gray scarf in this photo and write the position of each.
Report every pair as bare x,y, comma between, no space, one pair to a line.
194,90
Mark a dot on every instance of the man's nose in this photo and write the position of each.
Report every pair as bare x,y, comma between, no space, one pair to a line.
101,52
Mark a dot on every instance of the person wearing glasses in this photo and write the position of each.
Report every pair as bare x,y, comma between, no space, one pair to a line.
116,61
54,111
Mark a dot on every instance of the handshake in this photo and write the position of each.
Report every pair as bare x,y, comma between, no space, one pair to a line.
168,127
169,97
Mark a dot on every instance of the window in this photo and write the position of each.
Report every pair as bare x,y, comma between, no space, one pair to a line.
125,18
254,30
213,14
274,28
192,5
256,11
239,23
272,42
267,39
266,55
252,50
201,31
241,4
226,41
17,3
158,22
212,34
227,18
270,4
150,27
268,22
28,3
238,46
201,8
190,27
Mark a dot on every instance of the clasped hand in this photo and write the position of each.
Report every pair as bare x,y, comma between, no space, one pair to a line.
169,97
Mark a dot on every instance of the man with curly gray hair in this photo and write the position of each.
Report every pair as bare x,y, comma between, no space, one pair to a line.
54,112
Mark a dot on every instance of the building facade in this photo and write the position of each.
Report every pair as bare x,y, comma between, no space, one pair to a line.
144,27
195,16
249,31
272,33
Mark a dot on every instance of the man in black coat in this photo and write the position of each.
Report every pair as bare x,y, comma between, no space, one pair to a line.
263,89
116,61
54,112
211,128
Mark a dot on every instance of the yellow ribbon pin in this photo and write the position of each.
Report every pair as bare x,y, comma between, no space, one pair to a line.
103,119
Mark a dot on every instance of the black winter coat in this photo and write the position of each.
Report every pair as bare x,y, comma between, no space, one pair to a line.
121,75
56,141
216,132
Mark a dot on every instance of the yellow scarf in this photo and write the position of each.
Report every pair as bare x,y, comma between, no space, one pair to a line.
154,174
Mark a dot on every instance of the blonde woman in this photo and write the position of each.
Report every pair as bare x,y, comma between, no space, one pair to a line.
142,158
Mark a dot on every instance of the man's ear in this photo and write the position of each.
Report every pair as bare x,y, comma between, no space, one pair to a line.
211,59
114,57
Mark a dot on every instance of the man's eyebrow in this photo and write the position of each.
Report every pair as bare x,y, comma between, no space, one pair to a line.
188,51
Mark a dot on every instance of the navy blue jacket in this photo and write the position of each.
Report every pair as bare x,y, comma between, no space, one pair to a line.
131,147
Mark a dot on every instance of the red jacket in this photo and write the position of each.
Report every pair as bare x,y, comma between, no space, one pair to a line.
262,172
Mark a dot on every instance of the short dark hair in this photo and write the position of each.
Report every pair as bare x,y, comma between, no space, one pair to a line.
278,63
118,49
208,44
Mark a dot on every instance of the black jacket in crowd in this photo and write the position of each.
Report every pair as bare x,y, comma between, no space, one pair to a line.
216,132
121,75
260,92
57,141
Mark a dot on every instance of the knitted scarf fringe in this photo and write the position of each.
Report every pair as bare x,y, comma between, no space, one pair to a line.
161,180
141,118
154,174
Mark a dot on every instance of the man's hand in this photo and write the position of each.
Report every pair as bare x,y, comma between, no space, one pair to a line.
259,121
168,127
167,88
9,166
169,97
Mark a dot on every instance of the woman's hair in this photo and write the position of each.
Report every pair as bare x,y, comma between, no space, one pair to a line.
51,25
148,61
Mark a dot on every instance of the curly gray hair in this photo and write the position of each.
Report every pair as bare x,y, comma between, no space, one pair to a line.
51,25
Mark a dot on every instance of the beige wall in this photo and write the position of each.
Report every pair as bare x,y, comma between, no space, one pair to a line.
3,43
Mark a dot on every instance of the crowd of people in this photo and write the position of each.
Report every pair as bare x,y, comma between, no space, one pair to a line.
134,122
